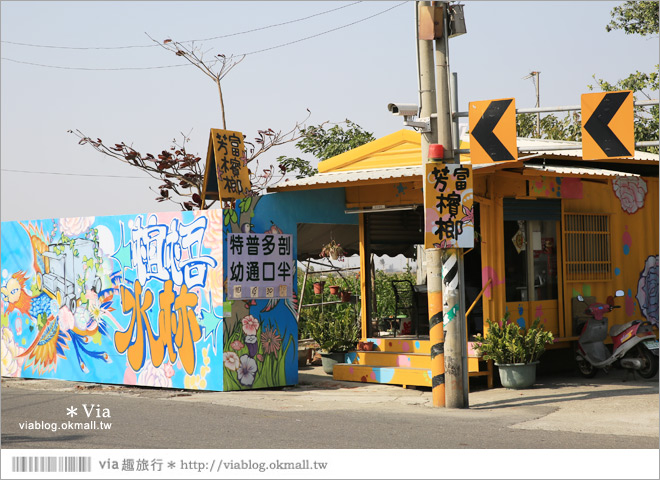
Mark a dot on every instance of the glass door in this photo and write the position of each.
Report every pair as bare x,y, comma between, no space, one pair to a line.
530,256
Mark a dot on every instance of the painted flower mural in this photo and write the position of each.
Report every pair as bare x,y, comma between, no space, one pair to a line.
74,226
250,325
247,370
647,290
631,192
255,354
11,362
271,341
156,376
231,361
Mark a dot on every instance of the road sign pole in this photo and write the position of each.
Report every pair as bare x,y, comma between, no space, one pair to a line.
454,346
427,96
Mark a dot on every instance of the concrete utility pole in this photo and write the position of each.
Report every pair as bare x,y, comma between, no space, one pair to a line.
447,325
427,96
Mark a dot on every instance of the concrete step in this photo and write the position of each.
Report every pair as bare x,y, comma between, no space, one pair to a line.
391,359
376,374
401,345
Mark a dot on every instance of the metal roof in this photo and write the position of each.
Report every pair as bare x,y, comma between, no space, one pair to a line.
388,175
591,171
343,178
528,146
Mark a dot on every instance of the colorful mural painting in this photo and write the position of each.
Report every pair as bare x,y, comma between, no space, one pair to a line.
123,299
135,300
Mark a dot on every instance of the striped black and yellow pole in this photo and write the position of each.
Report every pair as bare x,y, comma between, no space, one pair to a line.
436,329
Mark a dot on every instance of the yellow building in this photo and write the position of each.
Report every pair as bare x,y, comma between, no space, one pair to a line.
551,226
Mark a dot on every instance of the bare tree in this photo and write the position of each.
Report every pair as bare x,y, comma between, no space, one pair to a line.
182,173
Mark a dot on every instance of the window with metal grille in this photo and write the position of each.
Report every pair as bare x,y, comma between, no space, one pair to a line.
587,247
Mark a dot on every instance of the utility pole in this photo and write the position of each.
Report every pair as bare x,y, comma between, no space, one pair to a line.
453,321
427,95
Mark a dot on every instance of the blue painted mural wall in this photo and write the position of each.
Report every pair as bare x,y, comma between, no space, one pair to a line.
261,335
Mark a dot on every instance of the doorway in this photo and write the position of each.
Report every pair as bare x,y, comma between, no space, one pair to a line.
531,242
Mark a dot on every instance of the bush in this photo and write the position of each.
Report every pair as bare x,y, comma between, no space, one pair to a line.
506,342
338,334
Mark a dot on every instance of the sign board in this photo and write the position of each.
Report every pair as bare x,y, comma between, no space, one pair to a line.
608,129
259,266
493,131
226,176
448,199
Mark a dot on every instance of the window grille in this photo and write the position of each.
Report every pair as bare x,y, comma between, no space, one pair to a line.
587,242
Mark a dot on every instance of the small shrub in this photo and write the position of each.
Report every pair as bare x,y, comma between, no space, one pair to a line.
507,343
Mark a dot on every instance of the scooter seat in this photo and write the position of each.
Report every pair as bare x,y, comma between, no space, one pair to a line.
617,329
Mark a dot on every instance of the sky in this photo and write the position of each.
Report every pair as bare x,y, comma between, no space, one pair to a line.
340,60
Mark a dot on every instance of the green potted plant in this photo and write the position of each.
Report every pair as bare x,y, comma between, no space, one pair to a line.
333,250
514,350
335,336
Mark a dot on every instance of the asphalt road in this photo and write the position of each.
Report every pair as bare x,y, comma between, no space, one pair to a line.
617,412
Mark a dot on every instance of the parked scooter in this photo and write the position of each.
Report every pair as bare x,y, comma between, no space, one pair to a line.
634,343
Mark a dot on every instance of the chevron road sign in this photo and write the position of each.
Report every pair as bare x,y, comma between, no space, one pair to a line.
607,125
493,131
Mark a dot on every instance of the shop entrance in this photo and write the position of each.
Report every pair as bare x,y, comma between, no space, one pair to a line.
531,242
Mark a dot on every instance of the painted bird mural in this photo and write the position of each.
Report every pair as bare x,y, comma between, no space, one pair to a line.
64,329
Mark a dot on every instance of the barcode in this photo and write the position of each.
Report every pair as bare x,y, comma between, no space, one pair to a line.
51,464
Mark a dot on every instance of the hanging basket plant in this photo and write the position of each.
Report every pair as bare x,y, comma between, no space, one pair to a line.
333,251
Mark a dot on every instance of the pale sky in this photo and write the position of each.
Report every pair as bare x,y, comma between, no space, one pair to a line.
353,72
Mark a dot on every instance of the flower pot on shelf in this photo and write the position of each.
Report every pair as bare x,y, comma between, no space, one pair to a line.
318,288
345,296
334,289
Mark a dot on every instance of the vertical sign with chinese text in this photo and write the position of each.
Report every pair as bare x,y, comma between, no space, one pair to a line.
227,154
259,266
449,206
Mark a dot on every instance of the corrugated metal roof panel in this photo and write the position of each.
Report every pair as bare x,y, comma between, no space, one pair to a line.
336,179
580,171
344,178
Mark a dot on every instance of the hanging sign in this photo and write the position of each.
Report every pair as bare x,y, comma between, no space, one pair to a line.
226,176
259,266
449,206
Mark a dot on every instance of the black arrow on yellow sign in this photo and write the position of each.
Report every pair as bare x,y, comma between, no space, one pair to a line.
598,125
483,131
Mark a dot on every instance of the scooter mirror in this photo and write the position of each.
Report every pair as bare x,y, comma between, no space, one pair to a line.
581,298
619,293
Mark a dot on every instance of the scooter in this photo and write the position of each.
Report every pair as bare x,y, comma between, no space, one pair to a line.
634,343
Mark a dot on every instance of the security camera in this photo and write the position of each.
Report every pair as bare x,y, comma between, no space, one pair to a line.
409,112
403,109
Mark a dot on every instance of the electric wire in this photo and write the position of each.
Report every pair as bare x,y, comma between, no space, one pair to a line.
74,174
188,64
186,41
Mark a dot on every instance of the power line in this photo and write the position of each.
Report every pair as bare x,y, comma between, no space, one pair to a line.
95,69
73,174
327,31
187,41
243,54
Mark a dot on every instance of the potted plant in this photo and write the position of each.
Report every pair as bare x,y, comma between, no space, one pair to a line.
514,350
334,289
335,336
333,250
318,287
345,295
